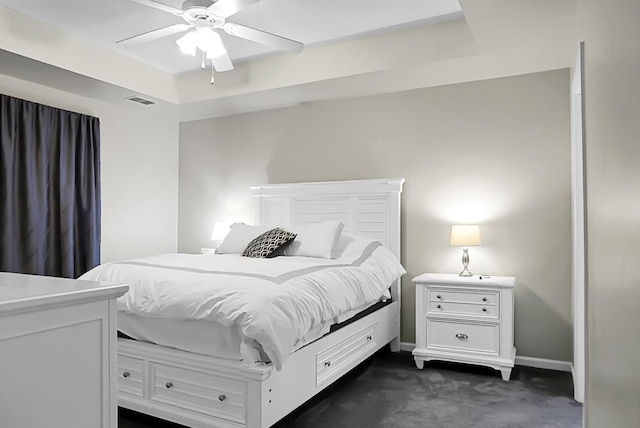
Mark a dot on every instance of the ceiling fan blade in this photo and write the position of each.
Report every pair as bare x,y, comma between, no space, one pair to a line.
226,8
160,6
222,63
263,37
153,35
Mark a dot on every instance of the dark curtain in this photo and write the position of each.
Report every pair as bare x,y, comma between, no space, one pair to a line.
49,189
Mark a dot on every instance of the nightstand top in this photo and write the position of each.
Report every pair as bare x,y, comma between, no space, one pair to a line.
455,279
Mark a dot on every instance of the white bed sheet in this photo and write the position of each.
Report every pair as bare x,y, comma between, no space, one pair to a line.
275,302
206,337
201,337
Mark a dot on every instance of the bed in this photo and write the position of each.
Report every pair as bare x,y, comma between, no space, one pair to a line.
206,388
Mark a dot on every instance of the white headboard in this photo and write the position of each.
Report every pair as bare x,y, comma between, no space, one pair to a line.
365,207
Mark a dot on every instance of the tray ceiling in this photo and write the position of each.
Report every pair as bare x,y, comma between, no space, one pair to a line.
313,23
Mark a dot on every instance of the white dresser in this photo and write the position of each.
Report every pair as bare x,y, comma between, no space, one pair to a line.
57,352
465,320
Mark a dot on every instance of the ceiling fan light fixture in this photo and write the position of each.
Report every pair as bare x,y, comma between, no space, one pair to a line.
188,43
209,41
205,39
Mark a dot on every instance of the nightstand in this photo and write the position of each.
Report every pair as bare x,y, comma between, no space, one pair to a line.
465,320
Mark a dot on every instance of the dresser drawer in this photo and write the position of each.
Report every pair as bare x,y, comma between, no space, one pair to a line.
333,362
467,336
131,375
199,392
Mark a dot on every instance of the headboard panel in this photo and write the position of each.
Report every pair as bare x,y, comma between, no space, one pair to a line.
365,207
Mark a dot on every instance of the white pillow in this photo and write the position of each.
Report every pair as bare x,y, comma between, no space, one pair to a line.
315,239
238,238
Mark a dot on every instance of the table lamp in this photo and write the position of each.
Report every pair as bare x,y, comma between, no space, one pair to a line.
465,235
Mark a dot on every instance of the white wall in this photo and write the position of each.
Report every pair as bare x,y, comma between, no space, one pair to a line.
139,151
611,37
496,152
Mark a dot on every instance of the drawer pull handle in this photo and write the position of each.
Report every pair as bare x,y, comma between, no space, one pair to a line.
169,385
222,397
439,306
462,336
327,363
126,374
484,309
369,337
439,296
484,299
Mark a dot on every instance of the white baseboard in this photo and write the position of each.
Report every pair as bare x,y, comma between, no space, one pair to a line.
407,346
543,363
539,363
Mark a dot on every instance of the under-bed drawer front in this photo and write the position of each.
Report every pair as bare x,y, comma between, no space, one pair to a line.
213,395
336,360
131,375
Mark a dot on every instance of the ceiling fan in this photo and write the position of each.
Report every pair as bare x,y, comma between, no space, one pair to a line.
202,18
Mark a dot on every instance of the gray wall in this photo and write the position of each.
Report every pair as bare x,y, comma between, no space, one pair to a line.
611,34
494,152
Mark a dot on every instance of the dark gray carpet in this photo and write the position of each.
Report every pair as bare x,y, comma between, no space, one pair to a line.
389,391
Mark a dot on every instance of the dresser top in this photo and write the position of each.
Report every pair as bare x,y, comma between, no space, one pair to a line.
20,292
475,280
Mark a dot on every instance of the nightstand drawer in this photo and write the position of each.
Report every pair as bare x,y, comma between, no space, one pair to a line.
488,297
481,338
449,308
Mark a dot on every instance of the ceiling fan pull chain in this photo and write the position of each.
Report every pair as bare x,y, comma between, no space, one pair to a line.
212,72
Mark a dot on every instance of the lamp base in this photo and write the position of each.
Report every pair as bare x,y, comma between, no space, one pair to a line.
465,272
465,263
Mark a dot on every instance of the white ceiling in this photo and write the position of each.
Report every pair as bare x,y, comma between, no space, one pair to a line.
352,48
310,22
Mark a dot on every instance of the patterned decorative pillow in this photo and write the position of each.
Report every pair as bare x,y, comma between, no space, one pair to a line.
269,244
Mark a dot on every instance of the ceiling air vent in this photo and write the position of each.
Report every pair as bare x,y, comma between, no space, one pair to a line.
140,100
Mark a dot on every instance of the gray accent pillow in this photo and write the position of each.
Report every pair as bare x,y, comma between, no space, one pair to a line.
270,244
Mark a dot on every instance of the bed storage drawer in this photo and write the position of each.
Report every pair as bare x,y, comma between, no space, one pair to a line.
335,361
131,375
200,392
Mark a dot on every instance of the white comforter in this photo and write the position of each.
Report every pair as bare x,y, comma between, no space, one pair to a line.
275,302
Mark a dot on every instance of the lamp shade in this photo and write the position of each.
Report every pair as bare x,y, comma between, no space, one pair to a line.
211,43
188,43
203,38
465,235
